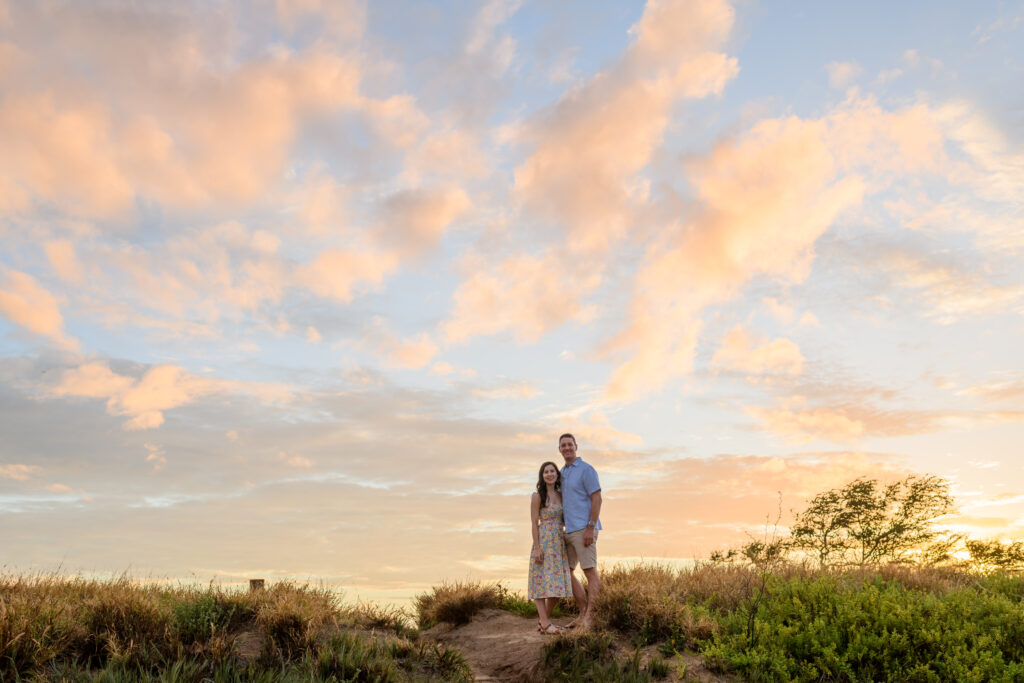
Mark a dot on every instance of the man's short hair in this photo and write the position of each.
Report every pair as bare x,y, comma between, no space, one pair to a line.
567,434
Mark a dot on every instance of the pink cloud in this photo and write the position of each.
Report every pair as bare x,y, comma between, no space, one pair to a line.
886,143
17,471
61,254
945,291
24,302
743,353
524,294
590,146
412,353
1010,390
441,368
765,198
336,273
63,153
841,73
161,388
798,424
176,122
415,220
94,380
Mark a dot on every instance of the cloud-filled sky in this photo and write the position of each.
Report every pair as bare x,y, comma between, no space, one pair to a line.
309,289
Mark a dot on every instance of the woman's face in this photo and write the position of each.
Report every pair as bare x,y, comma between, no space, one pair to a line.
550,474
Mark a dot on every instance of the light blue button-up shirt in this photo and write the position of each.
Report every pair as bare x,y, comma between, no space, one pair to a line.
579,481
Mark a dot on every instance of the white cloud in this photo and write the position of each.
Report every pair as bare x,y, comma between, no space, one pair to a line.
840,74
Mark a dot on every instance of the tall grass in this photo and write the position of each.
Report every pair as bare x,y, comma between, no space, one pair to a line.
58,628
457,602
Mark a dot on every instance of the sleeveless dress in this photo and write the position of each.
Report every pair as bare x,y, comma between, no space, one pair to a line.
551,579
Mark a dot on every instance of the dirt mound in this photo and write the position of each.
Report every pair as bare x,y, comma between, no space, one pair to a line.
501,646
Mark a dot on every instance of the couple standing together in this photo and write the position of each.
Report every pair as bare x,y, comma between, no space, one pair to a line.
564,521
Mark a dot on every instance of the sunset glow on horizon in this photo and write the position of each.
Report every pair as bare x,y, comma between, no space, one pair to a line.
309,289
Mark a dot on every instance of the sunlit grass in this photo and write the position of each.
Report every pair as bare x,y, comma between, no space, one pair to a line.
457,602
791,623
59,628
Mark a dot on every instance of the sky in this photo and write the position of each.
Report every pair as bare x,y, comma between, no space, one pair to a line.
308,289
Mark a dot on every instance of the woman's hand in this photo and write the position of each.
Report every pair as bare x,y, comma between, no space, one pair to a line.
538,556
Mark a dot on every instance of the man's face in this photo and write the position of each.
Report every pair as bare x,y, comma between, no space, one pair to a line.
567,447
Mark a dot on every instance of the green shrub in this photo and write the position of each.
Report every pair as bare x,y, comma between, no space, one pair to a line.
823,628
199,617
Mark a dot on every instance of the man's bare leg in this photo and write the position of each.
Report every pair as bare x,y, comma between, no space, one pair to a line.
581,598
593,591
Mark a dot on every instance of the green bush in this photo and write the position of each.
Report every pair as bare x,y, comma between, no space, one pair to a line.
823,628
200,617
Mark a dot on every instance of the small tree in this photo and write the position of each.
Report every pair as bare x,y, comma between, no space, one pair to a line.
866,523
994,555
820,530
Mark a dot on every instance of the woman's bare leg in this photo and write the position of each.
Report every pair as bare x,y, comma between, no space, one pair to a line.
543,615
551,606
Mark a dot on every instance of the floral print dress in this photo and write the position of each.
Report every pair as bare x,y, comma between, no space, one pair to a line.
550,579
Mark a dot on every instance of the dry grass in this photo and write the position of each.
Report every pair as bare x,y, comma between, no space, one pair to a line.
456,602
51,624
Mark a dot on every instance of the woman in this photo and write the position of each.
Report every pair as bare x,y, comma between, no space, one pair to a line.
549,570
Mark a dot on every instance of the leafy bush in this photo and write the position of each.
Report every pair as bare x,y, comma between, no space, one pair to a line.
825,628
200,617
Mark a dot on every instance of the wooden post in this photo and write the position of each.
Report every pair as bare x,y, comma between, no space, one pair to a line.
255,585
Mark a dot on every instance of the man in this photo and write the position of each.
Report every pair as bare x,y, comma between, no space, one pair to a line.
581,501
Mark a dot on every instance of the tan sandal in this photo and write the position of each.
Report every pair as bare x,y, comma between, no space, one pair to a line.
551,630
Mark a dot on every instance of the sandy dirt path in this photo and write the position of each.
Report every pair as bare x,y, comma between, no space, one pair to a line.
501,646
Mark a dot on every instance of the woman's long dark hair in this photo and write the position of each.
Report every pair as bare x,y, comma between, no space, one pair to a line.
542,486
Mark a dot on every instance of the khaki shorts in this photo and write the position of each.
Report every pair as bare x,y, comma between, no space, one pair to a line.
586,557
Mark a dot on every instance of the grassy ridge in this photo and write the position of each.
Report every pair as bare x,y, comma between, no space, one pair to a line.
795,623
53,628
893,623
